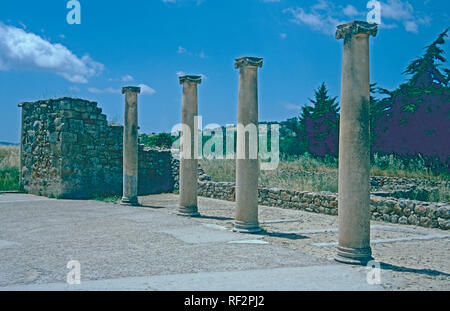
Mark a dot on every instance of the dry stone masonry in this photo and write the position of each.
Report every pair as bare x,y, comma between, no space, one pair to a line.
68,150
391,210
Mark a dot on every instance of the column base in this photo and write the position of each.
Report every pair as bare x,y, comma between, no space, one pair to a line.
188,211
133,201
246,227
353,256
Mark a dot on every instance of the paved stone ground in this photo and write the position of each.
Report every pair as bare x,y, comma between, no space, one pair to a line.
151,248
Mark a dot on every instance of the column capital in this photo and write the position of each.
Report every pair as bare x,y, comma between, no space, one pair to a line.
248,61
190,78
131,89
355,28
23,104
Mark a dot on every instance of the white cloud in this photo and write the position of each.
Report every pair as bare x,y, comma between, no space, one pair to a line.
411,26
403,12
181,50
127,78
108,90
290,106
324,16
397,10
320,17
321,5
24,50
350,11
283,35
182,73
146,90
75,89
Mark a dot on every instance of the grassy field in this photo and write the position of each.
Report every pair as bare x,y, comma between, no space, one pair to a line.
9,168
306,173
302,173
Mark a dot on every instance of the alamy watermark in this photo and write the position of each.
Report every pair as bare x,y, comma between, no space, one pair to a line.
74,15
374,15
230,142
74,275
373,276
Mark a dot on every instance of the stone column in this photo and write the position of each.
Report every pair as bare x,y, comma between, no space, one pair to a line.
247,166
354,145
130,147
21,155
188,161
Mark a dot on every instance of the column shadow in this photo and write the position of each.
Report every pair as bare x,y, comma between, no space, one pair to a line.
284,235
151,206
214,218
430,272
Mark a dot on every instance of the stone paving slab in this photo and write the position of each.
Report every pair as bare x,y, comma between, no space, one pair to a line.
411,257
128,247
310,278
39,237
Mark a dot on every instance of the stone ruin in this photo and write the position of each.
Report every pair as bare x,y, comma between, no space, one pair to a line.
68,150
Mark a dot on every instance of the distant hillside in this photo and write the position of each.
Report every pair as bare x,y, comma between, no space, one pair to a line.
2,143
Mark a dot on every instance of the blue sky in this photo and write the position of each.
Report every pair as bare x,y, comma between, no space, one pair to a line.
150,42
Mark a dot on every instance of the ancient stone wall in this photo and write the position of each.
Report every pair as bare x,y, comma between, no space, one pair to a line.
68,150
425,214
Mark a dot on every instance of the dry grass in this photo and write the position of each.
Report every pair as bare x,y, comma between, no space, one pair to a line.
306,173
294,174
9,157
9,168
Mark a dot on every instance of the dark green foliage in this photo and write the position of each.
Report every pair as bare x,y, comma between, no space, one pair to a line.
319,124
9,179
291,143
163,140
415,118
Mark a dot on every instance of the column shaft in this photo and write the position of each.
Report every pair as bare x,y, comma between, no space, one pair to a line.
188,161
354,152
247,166
130,149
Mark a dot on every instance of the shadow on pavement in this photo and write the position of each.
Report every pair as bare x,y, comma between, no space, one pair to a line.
151,206
214,218
431,272
283,235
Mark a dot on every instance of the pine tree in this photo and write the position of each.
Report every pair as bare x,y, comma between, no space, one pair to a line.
319,124
415,118
426,70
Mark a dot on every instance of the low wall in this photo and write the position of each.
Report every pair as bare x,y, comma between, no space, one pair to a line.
424,214
403,181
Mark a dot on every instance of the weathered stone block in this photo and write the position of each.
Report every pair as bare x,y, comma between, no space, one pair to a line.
403,220
444,223
413,220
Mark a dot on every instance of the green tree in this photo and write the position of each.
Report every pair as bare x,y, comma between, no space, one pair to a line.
415,118
163,140
319,124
